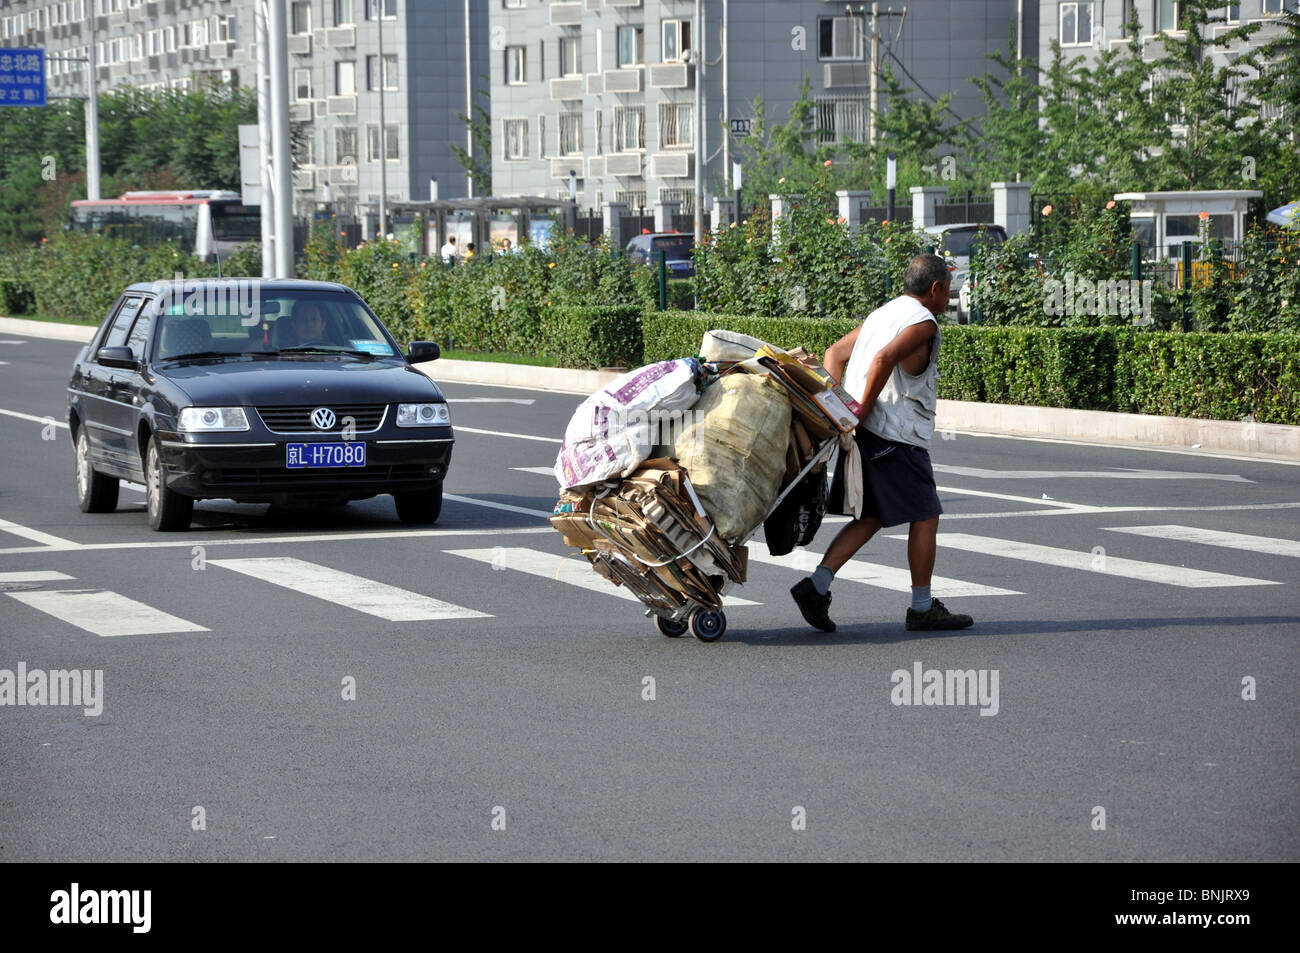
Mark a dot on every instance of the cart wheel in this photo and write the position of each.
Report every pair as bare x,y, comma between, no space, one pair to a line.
673,630
708,624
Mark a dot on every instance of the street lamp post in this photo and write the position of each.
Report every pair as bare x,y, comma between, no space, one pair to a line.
573,201
736,184
891,182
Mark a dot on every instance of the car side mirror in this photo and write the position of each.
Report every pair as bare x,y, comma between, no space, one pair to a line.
421,351
117,357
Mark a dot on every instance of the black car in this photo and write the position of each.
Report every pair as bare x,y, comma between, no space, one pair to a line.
286,392
678,252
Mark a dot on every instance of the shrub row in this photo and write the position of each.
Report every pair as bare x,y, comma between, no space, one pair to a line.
1218,376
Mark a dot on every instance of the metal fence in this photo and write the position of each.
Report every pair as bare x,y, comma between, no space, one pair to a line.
965,208
902,212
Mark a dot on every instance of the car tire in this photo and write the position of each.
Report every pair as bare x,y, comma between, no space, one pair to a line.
96,493
423,506
168,510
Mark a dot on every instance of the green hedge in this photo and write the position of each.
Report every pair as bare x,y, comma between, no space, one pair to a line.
600,336
16,297
1217,376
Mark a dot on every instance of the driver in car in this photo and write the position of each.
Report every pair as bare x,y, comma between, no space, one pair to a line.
309,322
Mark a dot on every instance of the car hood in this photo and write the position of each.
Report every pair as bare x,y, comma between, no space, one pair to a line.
327,380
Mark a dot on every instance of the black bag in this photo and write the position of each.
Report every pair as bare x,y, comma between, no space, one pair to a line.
796,521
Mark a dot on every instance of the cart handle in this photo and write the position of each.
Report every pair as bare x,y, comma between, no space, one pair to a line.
817,458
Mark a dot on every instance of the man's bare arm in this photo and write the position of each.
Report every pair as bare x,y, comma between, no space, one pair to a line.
838,354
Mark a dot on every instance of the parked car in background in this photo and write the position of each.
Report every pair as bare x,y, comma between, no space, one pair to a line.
955,242
677,248
256,391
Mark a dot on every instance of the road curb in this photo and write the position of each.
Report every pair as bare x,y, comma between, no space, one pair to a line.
1267,442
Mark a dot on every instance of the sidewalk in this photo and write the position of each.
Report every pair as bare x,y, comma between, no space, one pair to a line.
1272,442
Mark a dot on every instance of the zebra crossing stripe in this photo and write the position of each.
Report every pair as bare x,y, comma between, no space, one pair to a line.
104,613
1102,563
571,570
35,575
1267,545
346,589
894,578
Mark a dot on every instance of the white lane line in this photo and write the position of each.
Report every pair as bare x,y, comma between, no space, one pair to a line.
1266,545
348,590
36,536
34,419
526,402
1103,564
1055,504
256,540
893,578
571,570
507,507
36,575
540,471
980,473
1097,444
500,433
104,613
12,341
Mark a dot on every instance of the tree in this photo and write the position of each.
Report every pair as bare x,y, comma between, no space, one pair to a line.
1012,138
479,165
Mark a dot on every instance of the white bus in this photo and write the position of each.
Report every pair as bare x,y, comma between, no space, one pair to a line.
197,221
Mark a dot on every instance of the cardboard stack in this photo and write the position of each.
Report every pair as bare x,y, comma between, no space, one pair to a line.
651,535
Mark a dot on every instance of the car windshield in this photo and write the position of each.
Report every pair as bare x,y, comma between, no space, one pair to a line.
229,320
959,241
674,246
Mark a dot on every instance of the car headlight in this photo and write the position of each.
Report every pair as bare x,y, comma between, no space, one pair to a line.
423,415
212,419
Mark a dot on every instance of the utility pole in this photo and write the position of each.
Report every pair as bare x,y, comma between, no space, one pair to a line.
383,126
264,138
278,44
875,65
698,56
92,114
469,111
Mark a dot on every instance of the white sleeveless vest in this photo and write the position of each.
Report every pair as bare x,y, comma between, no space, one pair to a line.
904,411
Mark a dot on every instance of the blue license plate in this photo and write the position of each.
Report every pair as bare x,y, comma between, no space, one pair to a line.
298,456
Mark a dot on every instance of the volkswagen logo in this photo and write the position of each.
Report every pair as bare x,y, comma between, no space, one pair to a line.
322,418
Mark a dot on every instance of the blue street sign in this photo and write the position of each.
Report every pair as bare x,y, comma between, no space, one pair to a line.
22,77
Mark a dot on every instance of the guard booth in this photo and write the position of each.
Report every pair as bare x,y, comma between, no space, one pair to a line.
484,221
1165,221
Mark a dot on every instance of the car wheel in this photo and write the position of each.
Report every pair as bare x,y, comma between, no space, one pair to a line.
424,506
96,493
168,510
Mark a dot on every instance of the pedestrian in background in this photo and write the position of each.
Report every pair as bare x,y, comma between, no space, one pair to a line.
449,251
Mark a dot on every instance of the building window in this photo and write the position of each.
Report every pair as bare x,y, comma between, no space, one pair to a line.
841,119
302,84
345,145
300,17
515,139
169,39
390,71
513,4
372,9
600,132
343,15
541,135
1272,7
390,141
631,46
676,124
1232,13
1170,13
154,42
1076,24
304,151
571,133
677,40
570,56
345,78
516,66
199,33
629,128
839,38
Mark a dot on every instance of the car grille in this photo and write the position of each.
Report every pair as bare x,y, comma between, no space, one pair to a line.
340,476
296,418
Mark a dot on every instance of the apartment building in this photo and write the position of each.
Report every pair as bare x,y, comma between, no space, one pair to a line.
432,49
606,88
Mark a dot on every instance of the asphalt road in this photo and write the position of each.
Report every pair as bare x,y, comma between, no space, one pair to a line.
1125,601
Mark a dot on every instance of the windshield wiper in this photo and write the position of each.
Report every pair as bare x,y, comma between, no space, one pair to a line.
215,355
327,349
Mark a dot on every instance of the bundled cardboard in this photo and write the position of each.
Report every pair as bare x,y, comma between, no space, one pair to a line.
651,535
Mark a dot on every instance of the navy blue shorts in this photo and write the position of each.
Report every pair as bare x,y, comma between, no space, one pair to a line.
898,482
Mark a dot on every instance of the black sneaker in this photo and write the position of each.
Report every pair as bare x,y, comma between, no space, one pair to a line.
937,617
813,605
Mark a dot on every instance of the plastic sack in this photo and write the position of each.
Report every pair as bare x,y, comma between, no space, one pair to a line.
719,345
614,430
735,450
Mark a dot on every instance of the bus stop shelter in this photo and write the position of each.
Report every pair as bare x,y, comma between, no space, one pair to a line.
484,221
1165,221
